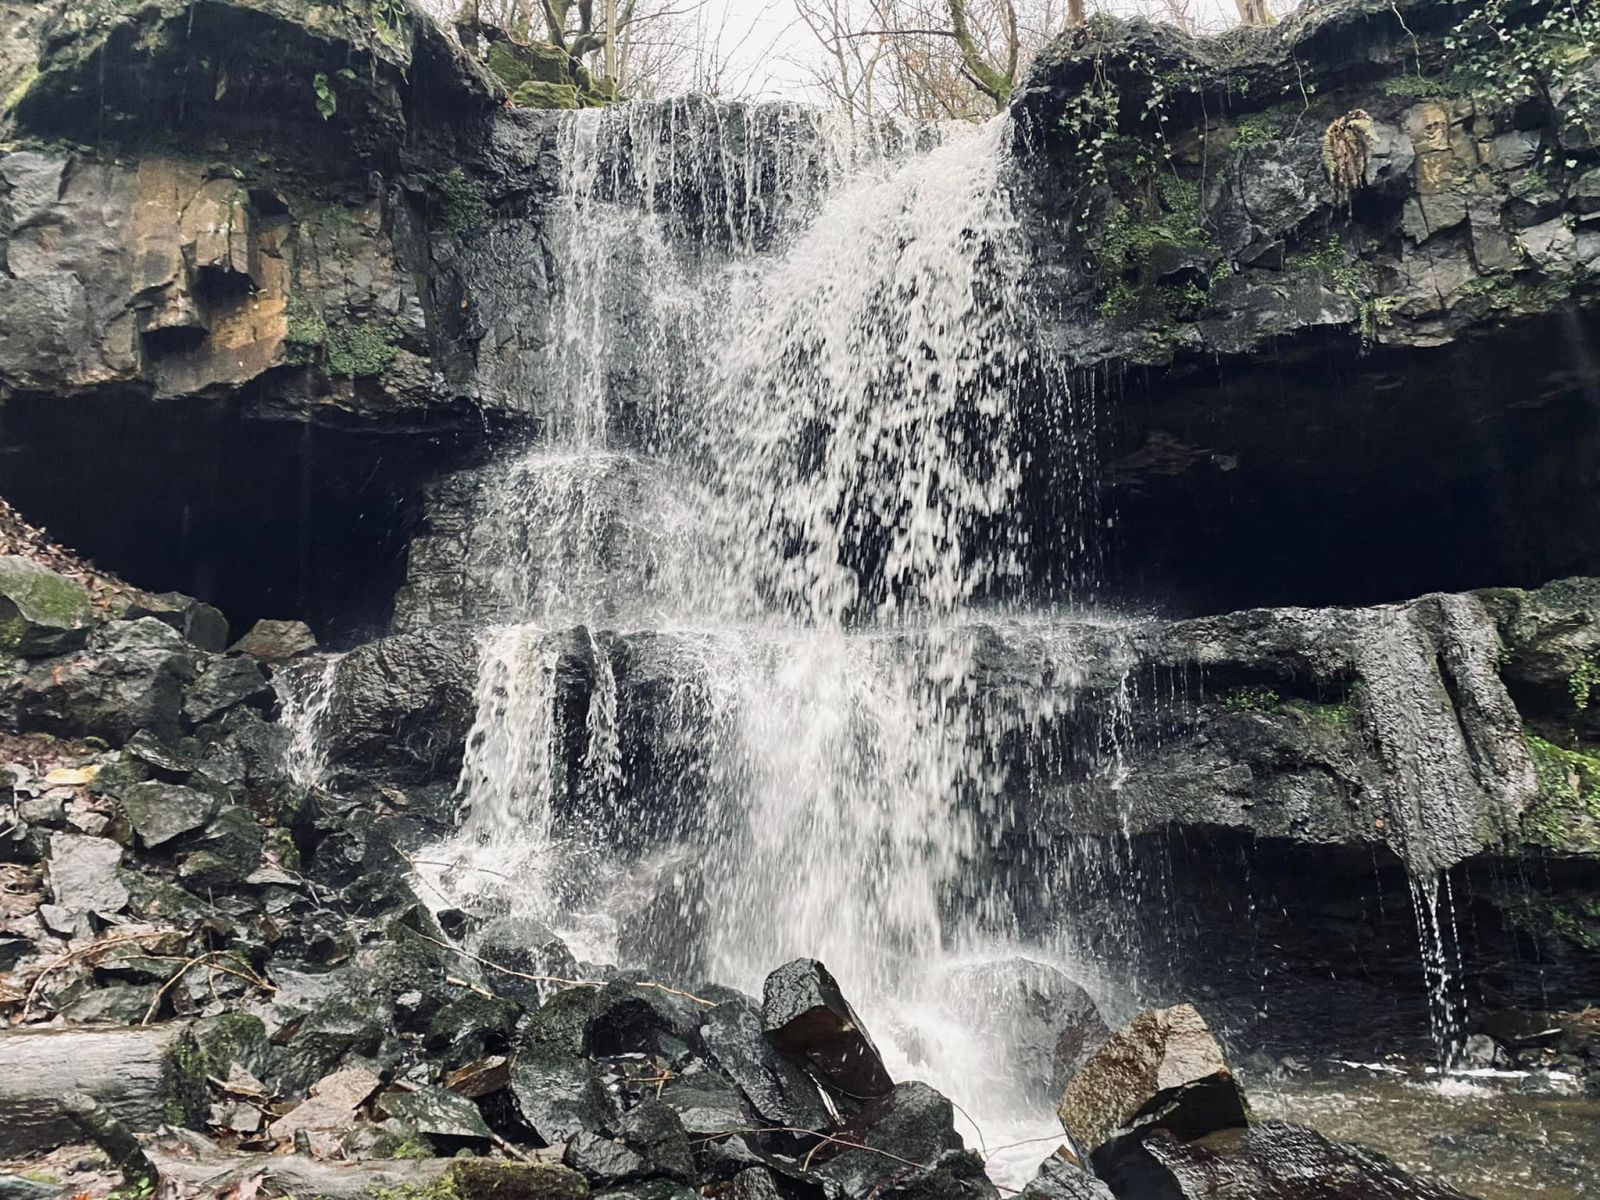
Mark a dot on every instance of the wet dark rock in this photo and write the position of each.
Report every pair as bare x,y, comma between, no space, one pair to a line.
130,676
160,812
176,758
632,1019
811,1024
236,837
1270,1159
755,1183
1059,1179
199,624
275,642
782,1094
469,1026
324,1038
529,948
225,683
558,1095
650,1144
1163,1070
911,1128
555,1090
655,1132
402,706
954,1175
41,613
706,1104
651,1189
604,1160
118,1004
436,1113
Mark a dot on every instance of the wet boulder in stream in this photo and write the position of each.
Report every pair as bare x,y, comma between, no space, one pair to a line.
780,1092
810,1023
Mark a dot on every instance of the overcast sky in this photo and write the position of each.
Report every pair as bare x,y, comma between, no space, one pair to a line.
772,50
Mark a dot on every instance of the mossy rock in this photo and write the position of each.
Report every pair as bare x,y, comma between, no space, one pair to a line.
1566,816
539,62
185,1098
41,613
545,95
500,1179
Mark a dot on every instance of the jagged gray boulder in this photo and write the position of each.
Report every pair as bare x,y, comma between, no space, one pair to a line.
1162,1070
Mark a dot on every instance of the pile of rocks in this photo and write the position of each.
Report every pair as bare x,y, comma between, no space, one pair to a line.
223,979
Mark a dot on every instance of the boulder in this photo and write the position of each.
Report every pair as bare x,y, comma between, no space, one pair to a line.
402,706
41,613
1059,1179
1163,1070
160,812
810,1023
83,874
1047,1025
650,1144
276,641
781,1093
1273,1159
130,676
199,623
707,1104
912,1124
224,684
436,1113
556,1092
633,1019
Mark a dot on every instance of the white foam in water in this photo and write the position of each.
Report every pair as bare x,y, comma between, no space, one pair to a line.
831,422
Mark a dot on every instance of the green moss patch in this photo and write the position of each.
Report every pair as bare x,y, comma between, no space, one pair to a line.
535,94
1566,815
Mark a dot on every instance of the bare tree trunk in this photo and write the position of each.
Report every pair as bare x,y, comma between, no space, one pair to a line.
994,83
1075,14
1255,12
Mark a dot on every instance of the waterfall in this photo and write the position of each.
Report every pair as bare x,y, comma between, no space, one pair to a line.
305,692
780,388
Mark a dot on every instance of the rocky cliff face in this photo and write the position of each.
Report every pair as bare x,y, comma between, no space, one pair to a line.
276,278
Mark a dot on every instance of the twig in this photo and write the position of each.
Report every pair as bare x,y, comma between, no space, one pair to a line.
189,964
826,1138
83,951
594,983
470,986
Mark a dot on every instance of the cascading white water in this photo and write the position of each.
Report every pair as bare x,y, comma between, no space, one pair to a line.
305,693
809,340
